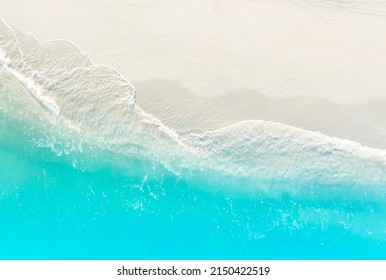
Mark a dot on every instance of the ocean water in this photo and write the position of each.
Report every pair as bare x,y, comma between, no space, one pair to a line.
86,174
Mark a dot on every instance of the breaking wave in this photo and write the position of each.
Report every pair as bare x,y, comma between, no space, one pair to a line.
98,104
256,180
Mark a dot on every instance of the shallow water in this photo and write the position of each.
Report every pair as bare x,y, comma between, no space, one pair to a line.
50,209
87,174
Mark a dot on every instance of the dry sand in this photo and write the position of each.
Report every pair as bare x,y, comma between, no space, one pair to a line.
186,112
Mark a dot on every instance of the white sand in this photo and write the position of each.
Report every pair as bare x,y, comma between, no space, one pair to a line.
313,49
186,112
280,48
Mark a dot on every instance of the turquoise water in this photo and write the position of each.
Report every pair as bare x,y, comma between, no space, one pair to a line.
50,209
87,174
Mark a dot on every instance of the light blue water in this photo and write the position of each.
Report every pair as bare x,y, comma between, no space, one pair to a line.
86,174
100,210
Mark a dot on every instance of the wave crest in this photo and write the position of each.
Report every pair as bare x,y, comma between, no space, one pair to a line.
98,106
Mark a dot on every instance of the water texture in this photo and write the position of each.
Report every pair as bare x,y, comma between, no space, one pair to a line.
87,174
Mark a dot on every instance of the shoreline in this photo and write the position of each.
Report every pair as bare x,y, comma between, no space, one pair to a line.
194,81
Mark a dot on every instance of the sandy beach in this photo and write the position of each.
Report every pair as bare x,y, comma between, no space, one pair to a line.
202,65
193,130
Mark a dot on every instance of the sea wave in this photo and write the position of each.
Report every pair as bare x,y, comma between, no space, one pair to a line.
94,100
97,104
274,150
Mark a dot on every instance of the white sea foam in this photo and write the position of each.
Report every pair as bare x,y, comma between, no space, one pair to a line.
99,104
94,100
273,150
16,65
